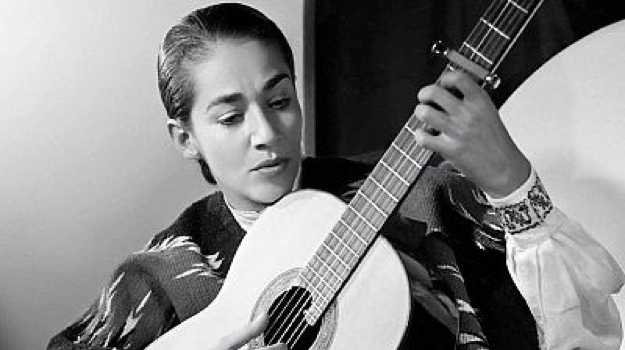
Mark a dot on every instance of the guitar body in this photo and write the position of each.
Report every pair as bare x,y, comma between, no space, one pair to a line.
371,312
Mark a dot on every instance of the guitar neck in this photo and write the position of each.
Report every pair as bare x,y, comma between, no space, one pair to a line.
497,30
401,165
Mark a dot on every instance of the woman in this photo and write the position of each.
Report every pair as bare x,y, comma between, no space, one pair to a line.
226,77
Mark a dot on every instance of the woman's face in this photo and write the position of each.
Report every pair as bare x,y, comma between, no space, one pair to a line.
246,121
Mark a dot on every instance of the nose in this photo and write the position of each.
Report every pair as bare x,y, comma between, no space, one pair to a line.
265,128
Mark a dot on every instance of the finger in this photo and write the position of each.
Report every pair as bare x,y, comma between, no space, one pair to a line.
279,346
433,118
440,144
246,333
462,82
439,97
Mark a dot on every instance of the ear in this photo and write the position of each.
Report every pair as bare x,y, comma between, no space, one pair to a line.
183,140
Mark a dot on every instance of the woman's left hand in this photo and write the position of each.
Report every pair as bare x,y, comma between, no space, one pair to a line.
471,134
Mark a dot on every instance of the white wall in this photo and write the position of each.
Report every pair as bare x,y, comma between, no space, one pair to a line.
569,118
87,172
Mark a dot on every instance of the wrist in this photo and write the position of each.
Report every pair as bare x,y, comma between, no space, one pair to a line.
524,208
510,180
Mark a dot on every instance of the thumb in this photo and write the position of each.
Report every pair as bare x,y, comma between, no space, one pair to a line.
243,335
259,324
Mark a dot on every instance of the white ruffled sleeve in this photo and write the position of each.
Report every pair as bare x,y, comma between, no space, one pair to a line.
564,274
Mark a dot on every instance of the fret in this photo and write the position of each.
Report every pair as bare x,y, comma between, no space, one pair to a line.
407,127
425,155
312,316
497,29
524,10
506,14
392,171
379,195
337,263
492,42
386,180
318,302
413,124
354,221
335,278
409,145
316,294
361,205
401,151
475,51
320,281
493,27
400,164
365,220
375,182
317,310
312,284
345,245
339,248
354,233
382,212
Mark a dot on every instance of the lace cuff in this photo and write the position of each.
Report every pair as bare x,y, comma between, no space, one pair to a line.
525,208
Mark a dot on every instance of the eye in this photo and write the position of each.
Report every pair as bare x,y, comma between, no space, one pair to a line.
230,119
280,103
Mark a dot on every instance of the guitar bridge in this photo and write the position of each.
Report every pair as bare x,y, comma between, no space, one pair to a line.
489,79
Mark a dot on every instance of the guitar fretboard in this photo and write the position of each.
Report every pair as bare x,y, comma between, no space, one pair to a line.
400,166
497,30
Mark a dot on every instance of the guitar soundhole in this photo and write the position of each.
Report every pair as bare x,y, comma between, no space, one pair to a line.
286,320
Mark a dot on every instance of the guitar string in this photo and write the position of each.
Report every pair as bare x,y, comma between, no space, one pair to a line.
485,31
521,17
288,307
475,30
481,31
511,17
485,41
298,306
484,37
299,302
512,22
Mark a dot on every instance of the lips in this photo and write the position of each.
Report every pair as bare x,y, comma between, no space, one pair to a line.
270,165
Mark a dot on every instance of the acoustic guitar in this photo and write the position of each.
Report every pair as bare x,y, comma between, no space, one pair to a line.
318,267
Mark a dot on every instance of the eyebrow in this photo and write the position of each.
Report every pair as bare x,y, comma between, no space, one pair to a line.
234,97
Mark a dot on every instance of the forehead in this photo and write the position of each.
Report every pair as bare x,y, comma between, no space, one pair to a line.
235,64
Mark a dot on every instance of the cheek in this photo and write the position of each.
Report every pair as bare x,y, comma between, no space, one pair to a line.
224,154
293,125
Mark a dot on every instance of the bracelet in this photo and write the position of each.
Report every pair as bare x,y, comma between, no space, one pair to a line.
528,213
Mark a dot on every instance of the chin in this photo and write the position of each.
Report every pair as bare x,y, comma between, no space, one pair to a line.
270,194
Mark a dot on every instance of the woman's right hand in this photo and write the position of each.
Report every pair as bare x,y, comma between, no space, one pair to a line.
243,335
